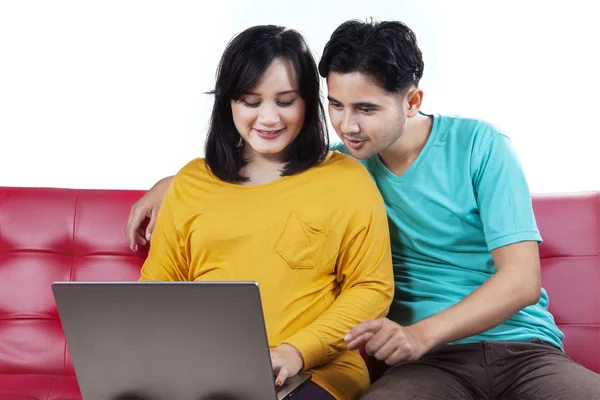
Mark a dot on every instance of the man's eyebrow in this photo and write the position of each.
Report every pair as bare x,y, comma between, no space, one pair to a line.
365,104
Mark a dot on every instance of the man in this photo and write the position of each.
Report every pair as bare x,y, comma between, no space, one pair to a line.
469,319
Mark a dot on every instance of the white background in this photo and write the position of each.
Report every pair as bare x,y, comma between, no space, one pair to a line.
109,94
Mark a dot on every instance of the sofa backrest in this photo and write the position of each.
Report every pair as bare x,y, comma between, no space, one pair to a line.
49,235
570,255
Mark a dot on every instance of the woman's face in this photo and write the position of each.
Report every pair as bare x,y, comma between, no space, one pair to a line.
270,115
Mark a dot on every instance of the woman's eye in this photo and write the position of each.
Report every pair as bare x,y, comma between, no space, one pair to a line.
286,103
249,104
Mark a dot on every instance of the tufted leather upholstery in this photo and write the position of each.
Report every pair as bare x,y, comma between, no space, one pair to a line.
570,228
49,235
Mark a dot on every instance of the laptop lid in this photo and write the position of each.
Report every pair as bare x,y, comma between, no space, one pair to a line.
168,340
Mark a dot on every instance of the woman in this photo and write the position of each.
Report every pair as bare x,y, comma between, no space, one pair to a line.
271,204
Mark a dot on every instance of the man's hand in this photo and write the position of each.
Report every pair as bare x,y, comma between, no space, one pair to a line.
145,208
287,362
387,341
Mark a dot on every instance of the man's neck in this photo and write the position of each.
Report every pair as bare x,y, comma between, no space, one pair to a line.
403,152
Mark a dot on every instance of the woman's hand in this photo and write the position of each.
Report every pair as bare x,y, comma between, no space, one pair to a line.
287,362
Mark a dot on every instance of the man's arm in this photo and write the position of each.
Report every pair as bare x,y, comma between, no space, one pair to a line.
515,285
145,208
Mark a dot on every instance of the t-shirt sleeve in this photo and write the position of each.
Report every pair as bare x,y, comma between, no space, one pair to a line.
503,195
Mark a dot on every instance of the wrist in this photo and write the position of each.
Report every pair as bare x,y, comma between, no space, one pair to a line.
428,333
312,350
295,353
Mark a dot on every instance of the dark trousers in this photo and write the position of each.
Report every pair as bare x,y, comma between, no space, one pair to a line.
312,391
489,370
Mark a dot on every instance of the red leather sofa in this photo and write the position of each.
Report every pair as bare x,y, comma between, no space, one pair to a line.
49,235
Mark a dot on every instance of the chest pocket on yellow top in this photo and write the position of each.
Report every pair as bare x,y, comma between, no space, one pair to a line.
302,245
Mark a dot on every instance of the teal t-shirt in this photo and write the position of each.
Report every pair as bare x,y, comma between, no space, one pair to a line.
464,195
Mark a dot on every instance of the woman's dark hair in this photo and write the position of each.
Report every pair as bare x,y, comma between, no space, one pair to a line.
386,51
246,58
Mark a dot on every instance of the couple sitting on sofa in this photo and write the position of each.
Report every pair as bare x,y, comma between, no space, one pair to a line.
449,254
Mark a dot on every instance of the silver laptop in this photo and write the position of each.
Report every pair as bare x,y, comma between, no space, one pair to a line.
169,340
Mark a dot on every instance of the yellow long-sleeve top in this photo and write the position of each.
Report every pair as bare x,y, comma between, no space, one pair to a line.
316,242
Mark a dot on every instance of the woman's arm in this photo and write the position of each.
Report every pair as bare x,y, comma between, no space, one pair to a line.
365,276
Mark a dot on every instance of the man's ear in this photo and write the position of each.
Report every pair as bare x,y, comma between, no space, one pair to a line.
414,98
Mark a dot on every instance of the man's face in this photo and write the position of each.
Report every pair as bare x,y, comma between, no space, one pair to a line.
364,115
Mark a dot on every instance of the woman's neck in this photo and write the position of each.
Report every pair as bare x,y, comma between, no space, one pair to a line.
261,168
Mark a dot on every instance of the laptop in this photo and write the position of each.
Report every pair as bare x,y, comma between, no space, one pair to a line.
169,340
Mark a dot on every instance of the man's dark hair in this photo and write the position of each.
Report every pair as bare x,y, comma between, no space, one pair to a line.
386,51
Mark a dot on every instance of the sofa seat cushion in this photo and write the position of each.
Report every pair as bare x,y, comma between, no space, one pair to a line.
38,387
